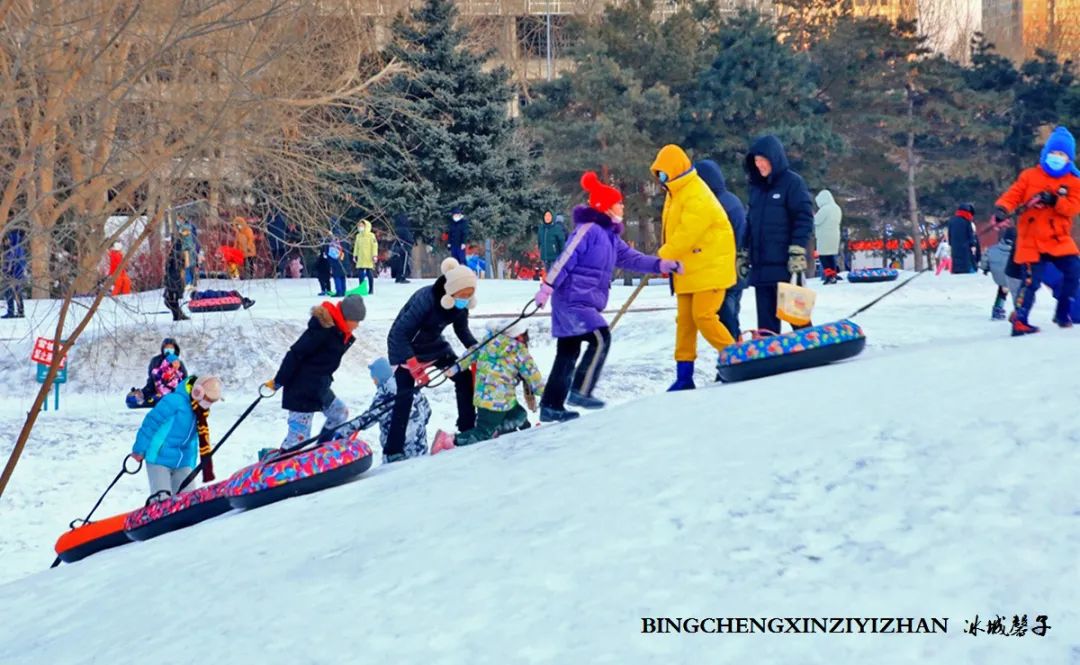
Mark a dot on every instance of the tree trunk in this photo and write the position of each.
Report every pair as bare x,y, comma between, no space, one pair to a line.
418,255
913,197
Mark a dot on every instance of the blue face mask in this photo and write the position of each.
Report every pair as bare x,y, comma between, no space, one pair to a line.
461,303
662,177
1057,162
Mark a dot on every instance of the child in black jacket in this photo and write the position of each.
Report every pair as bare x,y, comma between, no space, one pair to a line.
308,368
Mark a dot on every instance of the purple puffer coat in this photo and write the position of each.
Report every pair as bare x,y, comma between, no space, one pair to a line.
581,277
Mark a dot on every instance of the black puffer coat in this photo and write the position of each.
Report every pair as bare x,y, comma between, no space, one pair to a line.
781,213
417,330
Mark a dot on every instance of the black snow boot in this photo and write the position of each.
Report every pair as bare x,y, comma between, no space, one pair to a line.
550,415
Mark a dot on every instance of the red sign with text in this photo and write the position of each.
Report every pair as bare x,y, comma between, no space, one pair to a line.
43,352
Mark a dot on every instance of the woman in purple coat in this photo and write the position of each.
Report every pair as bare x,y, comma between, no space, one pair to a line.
580,281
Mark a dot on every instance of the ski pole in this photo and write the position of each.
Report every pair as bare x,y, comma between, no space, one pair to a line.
887,293
629,301
86,520
191,476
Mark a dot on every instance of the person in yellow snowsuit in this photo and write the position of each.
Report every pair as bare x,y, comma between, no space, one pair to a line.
697,234
365,251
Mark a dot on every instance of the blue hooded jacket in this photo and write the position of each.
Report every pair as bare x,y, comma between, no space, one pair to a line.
168,435
1060,140
712,175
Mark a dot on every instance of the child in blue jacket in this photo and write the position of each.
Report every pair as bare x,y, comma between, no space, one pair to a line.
175,434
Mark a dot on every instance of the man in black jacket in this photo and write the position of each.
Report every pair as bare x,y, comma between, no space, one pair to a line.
780,221
174,280
399,263
457,236
962,239
415,343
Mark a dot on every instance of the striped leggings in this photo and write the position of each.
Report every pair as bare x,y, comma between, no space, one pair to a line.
563,376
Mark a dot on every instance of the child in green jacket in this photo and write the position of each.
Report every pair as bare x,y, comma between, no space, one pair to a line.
501,364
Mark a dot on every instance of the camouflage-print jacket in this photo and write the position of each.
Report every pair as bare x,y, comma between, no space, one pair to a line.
500,365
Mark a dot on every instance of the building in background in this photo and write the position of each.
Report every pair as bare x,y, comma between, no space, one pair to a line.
1019,27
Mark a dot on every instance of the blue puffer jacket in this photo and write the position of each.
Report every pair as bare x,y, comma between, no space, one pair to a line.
168,435
14,258
712,175
781,213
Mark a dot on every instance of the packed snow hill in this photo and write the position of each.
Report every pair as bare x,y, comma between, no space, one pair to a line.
927,477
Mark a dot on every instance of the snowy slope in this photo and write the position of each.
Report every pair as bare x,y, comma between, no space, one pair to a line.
932,476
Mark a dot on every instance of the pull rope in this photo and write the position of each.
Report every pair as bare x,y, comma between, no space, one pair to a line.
77,522
191,476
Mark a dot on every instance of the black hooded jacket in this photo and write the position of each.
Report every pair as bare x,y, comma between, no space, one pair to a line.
781,213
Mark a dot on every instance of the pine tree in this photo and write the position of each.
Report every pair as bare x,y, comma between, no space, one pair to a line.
755,85
442,137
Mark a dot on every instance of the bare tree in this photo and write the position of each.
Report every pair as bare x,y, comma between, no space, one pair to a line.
112,110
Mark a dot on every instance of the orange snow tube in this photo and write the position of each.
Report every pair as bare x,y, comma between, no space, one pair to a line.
91,538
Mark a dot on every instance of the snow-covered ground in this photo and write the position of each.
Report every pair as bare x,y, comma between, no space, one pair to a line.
933,476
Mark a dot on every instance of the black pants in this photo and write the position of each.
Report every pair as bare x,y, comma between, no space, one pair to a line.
172,302
828,263
399,417
322,273
765,295
563,378
13,296
369,275
249,267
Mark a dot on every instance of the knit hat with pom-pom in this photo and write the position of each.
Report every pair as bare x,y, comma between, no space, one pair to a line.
601,197
458,277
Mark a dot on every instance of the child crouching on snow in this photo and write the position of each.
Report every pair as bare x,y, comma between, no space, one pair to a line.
998,261
382,375
501,364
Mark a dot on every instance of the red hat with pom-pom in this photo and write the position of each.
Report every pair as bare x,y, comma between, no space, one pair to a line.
601,197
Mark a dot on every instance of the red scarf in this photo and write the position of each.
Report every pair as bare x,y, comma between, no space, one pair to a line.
965,214
339,318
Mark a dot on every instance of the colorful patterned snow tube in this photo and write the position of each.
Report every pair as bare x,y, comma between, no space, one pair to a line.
801,349
177,512
91,538
327,465
215,301
872,275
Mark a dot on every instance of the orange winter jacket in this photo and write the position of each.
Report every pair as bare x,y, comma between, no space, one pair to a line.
1043,230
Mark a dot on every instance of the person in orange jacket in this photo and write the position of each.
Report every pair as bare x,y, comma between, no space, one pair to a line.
122,285
1045,198
245,242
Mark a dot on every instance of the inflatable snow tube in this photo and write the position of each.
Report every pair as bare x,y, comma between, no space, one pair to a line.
333,463
133,403
801,349
91,538
176,512
872,275
214,303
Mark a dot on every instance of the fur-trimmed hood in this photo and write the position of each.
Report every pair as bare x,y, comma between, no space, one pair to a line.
586,215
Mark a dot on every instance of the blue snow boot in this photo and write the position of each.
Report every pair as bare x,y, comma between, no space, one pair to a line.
584,401
684,376
997,314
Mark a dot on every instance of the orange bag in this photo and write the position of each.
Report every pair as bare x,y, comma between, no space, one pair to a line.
794,303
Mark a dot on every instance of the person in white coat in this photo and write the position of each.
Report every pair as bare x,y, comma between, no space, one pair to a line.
827,232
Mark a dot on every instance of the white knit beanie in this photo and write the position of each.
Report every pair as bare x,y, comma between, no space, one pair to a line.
458,277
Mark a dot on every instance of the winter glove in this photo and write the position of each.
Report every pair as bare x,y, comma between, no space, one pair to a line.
418,370
543,295
1047,199
742,264
667,266
208,470
1000,219
796,259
